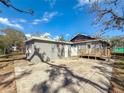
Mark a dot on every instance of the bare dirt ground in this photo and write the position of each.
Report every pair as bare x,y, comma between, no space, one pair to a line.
7,82
7,74
60,76
63,76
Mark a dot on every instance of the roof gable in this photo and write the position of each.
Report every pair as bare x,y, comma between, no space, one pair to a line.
81,37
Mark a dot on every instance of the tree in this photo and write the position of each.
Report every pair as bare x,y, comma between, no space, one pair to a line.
110,14
117,41
11,38
8,3
61,38
2,44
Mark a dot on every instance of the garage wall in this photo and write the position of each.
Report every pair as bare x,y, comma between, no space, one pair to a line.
74,50
48,51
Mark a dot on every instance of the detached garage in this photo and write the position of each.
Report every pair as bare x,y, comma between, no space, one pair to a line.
40,49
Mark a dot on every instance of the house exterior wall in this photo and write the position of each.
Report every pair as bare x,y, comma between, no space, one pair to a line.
74,50
47,51
38,50
29,49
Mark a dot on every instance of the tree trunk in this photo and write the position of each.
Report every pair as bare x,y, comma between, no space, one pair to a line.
4,51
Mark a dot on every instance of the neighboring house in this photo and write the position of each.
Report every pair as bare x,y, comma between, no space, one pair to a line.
42,49
14,48
90,46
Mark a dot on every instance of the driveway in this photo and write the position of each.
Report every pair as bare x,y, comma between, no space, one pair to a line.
63,76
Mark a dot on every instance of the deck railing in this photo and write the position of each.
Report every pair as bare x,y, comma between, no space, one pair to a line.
94,52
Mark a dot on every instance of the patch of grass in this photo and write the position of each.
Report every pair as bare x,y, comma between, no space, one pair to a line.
11,57
122,58
117,80
119,65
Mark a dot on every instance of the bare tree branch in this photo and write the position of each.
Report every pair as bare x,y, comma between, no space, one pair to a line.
9,4
106,10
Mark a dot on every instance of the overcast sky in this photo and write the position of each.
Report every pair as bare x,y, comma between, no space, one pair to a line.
52,17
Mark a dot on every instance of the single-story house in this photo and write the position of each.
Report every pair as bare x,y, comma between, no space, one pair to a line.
90,46
42,49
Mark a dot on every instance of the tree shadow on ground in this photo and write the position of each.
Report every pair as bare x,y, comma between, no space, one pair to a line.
105,68
7,74
115,77
11,59
63,78
119,82
9,77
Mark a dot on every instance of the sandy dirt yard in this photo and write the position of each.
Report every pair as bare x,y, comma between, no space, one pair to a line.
7,78
7,73
63,76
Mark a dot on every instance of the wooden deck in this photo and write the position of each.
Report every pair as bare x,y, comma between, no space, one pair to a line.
93,57
95,54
